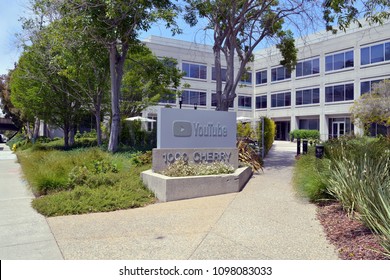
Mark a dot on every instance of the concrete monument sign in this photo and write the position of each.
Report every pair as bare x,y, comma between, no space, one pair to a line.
178,128
196,136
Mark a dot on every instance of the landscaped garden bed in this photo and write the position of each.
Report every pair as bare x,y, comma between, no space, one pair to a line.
355,172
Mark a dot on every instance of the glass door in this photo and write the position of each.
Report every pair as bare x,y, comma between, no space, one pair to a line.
338,129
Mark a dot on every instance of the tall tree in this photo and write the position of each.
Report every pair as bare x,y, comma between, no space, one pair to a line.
374,107
238,27
116,24
146,80
344,12
6,105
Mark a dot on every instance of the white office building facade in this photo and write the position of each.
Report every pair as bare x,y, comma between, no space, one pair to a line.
332,71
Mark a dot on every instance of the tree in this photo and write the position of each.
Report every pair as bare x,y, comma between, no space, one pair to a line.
40,90
238,27
146,80
115,24
374,107
6,105
345,12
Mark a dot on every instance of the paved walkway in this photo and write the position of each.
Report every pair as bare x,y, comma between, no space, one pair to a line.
264,221
24,234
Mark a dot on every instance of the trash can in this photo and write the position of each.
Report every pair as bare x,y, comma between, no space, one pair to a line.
320,151
304,146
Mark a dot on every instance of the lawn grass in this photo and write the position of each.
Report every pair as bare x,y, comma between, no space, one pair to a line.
82,180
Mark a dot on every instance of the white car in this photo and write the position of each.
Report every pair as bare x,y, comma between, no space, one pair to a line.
3,139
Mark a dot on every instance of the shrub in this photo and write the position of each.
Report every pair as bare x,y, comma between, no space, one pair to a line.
309,177
248,156
269,133
359,177
140,158
181,168
305,134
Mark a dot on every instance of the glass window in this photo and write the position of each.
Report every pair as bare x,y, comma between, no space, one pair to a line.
195,71
349,59
365,87
329,63
307,96
349,92
190,97
261,77
308,67
316,96
329,94
316,66
246,78
281,99
339,93
245,102
377,53
387,51
312,124
365,56
339,61
280,73
261,102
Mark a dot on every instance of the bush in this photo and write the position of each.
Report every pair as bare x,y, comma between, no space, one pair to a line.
248,156
181,168
305,134
269,133
140,158
309,177
359,177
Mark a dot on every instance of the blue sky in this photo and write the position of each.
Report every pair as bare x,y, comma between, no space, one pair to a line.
12,11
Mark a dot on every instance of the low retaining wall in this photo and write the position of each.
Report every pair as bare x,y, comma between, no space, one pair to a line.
178,188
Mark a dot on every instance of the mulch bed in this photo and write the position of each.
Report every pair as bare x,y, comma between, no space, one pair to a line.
353,240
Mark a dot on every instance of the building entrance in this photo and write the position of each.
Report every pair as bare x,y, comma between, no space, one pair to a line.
282,130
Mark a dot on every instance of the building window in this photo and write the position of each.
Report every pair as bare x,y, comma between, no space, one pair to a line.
214,101
261,77
244,102
279,74
281,99
308,67
195,71
312,124
246,78
375,53
307,96
261,102
339,61
366,87
339,93
223,74
190,97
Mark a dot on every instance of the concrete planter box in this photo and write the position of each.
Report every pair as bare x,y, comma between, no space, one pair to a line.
178,188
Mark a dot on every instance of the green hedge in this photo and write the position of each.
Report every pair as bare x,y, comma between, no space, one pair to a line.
269,133
304,134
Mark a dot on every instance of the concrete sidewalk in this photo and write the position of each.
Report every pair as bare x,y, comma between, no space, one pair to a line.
24,234
264,221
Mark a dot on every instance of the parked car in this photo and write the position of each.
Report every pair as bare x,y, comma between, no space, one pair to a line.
3,139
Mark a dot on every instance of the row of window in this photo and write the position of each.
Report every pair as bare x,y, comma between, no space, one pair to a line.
336,93
333,62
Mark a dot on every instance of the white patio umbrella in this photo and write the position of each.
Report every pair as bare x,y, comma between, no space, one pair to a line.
244,119
139,118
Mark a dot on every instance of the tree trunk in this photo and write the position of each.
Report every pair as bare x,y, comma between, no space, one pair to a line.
98,120
71,135
37,124
66,135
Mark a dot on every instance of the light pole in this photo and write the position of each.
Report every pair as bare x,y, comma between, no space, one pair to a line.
195,106
180,101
